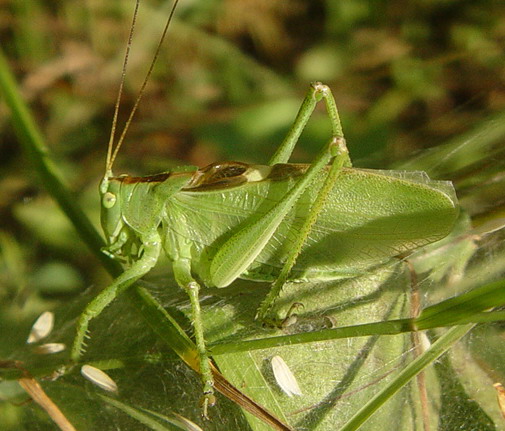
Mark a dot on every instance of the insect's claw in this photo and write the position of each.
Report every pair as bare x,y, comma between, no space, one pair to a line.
294,307
278,322
209,399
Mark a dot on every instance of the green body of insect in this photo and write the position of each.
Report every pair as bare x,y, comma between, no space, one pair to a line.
274,222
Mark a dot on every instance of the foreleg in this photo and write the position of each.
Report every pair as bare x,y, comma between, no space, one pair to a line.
152,247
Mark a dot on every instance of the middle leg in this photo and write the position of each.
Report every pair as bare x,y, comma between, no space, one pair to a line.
182,273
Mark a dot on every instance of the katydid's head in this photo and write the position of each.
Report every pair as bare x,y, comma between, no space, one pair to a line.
110,216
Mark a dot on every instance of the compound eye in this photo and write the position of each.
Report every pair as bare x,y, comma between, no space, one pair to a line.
109,200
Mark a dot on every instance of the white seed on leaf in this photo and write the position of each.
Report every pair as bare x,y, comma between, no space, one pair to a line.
284,377
99,378
42,327
49,348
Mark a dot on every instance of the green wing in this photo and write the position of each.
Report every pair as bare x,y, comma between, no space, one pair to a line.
369,217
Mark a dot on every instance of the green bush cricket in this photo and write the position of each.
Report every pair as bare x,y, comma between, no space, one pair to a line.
276,222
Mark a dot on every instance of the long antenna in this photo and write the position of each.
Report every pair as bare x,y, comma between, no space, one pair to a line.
110,160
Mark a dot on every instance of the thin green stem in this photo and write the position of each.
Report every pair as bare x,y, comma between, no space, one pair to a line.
442,345
470,307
